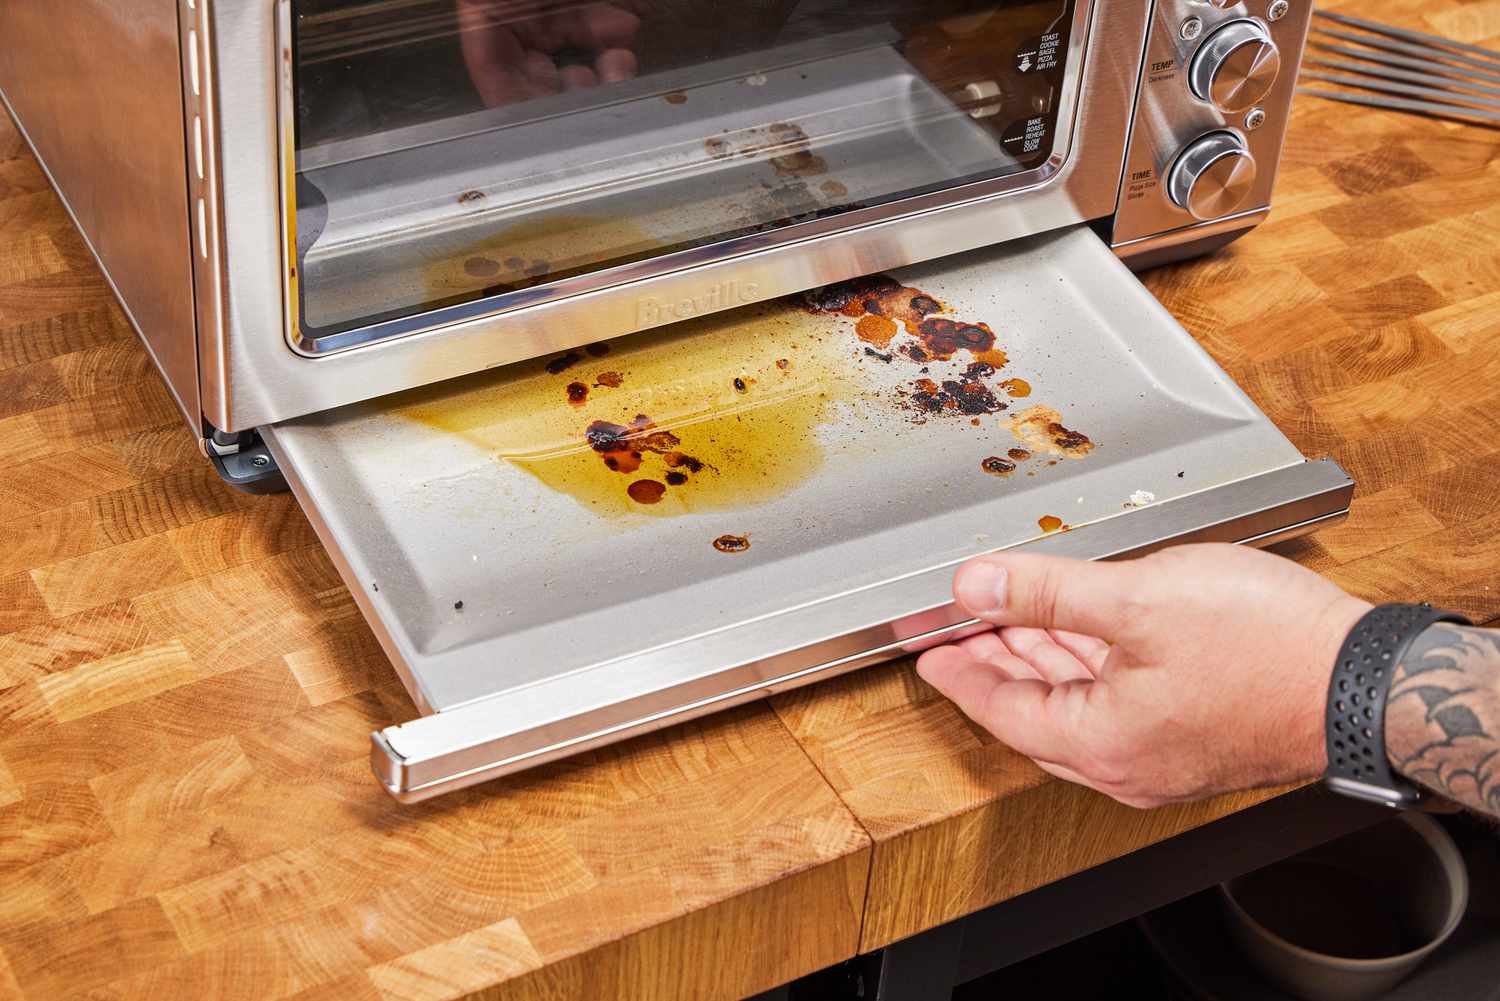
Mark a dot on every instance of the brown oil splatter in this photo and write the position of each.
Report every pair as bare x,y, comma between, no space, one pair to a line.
1019,454
1040,428
996,466
943,338
1050,523
966,396
783,363
562,363
731,543
481,267
935,337
794,156
470,197
537,269
622,445
646,491
578,394
675,459
676,97
735,450
718,148
676,479
833,189
1016,388
611,380
875,329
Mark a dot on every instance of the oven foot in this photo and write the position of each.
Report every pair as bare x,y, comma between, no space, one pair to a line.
250,468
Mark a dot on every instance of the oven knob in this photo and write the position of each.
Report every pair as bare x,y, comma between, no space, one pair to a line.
1235,66
1212,176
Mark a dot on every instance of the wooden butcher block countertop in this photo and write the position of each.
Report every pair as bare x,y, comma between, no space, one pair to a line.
186,689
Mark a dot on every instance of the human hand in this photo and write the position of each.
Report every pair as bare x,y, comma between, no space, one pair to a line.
512,58
1195,670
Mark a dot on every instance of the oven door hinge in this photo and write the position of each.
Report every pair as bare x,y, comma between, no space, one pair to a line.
243,461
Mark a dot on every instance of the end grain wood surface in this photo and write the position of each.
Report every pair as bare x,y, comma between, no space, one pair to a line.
186,689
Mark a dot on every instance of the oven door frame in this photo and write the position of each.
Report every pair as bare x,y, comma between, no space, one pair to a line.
252,372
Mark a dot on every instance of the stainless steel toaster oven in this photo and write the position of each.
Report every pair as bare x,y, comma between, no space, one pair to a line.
639,358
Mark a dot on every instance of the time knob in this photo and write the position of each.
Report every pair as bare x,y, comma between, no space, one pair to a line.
1235,66
1211,176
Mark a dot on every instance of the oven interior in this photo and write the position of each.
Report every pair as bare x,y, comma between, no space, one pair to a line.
455,152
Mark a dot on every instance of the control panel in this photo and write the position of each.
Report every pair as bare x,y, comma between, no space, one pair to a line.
1210,116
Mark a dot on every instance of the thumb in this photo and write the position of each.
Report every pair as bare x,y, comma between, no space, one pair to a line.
1049,592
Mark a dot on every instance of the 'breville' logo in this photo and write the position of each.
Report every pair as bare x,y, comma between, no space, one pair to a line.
651,311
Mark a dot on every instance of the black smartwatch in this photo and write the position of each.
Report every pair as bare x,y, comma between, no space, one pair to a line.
1355,719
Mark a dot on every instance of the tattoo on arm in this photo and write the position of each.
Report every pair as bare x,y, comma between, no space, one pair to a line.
1442,718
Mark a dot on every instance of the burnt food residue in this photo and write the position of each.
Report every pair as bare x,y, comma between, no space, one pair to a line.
731,543
646,491
996,466
623,446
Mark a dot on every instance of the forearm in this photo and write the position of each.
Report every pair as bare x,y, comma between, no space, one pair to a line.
1442,720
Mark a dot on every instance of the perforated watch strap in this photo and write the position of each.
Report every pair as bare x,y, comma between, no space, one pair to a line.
1355,723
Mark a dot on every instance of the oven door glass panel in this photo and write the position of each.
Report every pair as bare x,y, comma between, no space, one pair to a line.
455,151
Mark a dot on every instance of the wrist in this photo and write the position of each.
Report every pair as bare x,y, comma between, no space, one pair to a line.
1367,664
1333,626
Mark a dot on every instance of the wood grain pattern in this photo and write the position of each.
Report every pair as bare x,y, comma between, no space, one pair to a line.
186,688
186,693
1363,318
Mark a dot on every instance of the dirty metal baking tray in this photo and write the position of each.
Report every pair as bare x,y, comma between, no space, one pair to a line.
565,552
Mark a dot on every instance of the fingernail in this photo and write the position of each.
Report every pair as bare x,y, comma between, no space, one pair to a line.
981,588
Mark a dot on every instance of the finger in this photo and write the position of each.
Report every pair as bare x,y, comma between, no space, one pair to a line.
574,77
1033,717
616,64
542,72
1090,649
545,33
491,54
1051,662
603,26
1027,589
989,648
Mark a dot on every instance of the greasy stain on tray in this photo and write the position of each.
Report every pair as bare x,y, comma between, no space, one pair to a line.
934,337
1041,430
731,543
1050,523
724,412
719,413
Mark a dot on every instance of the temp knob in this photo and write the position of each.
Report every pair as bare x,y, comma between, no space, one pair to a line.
1212,176
1235,67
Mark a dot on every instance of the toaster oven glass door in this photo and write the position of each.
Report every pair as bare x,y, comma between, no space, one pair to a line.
573,549
455,158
